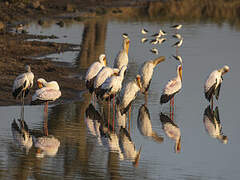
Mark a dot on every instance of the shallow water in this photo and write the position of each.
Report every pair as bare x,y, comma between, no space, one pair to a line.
80,156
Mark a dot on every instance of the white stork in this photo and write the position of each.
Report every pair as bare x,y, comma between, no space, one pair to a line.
213,125
178,58
92,72
145,126
46,145
172,87
213,84
146,72
154,50
22,84
21,135
178,44
172,131
128,148
122,57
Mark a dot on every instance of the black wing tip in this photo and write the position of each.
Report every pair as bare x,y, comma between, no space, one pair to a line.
165,98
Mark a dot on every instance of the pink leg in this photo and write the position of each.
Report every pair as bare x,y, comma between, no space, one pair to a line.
109,106
113,111
171,109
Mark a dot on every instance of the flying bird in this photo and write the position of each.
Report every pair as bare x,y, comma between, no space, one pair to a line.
178,36
178,58
143,40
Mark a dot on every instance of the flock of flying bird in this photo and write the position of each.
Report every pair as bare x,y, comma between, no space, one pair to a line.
105,83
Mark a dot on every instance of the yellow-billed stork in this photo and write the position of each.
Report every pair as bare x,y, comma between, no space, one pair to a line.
172,87
93,71
146,72
213,126
22,84
172,131
110,88
213,84
122,57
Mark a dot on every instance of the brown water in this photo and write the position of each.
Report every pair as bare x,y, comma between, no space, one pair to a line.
81,154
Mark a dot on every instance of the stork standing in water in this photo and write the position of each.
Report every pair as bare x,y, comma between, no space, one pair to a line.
172,131
146,72
22,85
49,91
102,76
111,87
213,84
128,94
213,126
172,87
92,72
122,57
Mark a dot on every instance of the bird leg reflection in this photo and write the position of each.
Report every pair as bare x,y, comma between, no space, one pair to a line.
45,126
146,97
129,117
109,110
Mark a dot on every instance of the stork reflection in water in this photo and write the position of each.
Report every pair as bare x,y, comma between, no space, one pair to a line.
172,130
145,126
21,135
213,125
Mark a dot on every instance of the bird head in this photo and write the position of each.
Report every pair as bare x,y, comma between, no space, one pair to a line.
28,68
102,59
225,69
136,161
41,82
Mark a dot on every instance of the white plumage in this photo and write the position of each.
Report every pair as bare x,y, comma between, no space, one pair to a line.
178,36
213,126
144,31
23,83
113,84
93,70
172,87
129,93
213,83
122,57
177,26
146,72
50,91
171,130
105,73
46,145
